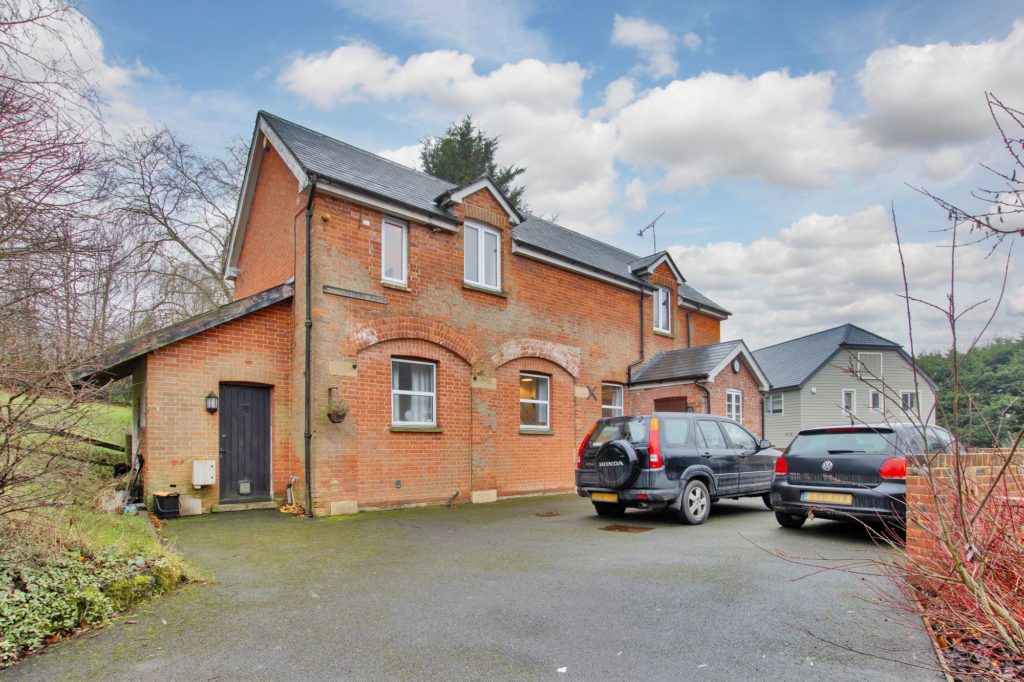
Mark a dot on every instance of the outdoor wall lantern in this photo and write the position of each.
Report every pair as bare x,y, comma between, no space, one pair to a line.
212,402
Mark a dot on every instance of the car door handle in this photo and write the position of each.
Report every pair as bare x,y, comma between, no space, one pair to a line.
706,454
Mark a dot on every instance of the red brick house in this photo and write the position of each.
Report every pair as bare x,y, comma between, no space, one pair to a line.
456,349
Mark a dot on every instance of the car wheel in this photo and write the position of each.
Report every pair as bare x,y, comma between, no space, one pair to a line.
610,509
696,504
767,499
790,520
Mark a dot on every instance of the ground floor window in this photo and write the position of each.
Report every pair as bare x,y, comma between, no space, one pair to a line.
413,393
876,400
534,401
849,401
734,404
773,404
908,400
611,400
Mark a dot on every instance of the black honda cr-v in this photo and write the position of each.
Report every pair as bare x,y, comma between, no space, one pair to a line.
671,460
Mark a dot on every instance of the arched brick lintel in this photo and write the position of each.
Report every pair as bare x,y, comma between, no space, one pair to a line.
391,328
566,357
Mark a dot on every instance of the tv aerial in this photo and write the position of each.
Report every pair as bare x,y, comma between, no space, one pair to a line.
650,226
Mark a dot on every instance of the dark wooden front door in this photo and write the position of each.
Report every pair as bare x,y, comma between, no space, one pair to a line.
677,404
244,443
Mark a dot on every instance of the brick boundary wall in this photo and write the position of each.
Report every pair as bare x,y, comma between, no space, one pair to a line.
980,469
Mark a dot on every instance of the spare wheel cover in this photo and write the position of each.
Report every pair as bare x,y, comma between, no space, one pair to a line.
617,464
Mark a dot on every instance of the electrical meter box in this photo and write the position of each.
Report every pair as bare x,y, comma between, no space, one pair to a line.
204,472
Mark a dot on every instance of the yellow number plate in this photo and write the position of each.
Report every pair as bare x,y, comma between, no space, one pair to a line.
604,497
830,498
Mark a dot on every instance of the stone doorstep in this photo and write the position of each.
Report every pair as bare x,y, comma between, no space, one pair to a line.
244,506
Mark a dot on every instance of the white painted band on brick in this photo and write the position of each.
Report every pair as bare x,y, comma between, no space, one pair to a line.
344,507
483,496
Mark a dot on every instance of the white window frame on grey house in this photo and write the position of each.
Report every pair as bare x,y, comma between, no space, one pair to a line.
850,408
769,403
734,404
871,401
613,408
541,380
397,392
476,258
915,400
662,310
389,224
862,368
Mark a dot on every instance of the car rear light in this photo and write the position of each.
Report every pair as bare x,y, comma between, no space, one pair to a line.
583,446
894,468
654,449
781,469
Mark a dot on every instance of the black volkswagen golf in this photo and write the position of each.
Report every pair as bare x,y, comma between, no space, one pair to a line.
850,472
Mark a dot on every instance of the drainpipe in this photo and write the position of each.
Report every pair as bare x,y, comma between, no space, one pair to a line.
307,432
629,368
707,395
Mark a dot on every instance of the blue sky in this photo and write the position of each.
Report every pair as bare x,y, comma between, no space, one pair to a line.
774,136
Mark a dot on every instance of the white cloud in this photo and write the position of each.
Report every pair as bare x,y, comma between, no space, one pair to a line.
531,105
774,127
490,30
692,41
824,271
636,195
617,94
933,95
945,163
408,155
655,44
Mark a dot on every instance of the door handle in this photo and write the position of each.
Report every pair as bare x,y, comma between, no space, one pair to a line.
706,454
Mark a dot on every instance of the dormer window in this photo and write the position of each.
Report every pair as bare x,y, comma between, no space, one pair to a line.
482,256
394,252
662,310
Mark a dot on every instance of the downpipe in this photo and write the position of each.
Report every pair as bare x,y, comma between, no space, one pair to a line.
307,434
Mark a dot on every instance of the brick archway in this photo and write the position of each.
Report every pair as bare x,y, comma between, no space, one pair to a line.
566,357
390,328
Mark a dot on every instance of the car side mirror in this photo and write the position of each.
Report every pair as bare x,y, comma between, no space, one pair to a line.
764,444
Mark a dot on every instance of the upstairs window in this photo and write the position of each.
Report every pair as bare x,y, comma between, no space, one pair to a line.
394,251
611,400
734,404
482,256
534,401
870,365
662,310
875,399
413,393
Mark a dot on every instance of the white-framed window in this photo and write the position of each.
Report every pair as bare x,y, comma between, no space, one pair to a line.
908,400
869,365
773,404
611,400
394,251
875,400
482,256
849,400
413,393
734,404
662,310
534,401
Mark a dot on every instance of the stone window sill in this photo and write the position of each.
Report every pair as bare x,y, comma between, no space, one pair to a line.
484,290
416,429
395,285
536,432
667,335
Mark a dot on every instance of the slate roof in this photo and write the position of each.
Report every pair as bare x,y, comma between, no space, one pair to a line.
348,165
119,361
791,363
685,363
363,170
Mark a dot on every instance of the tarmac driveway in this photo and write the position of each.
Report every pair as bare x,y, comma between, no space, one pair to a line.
529,588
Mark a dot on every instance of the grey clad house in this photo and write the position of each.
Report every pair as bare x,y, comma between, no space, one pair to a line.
840,375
